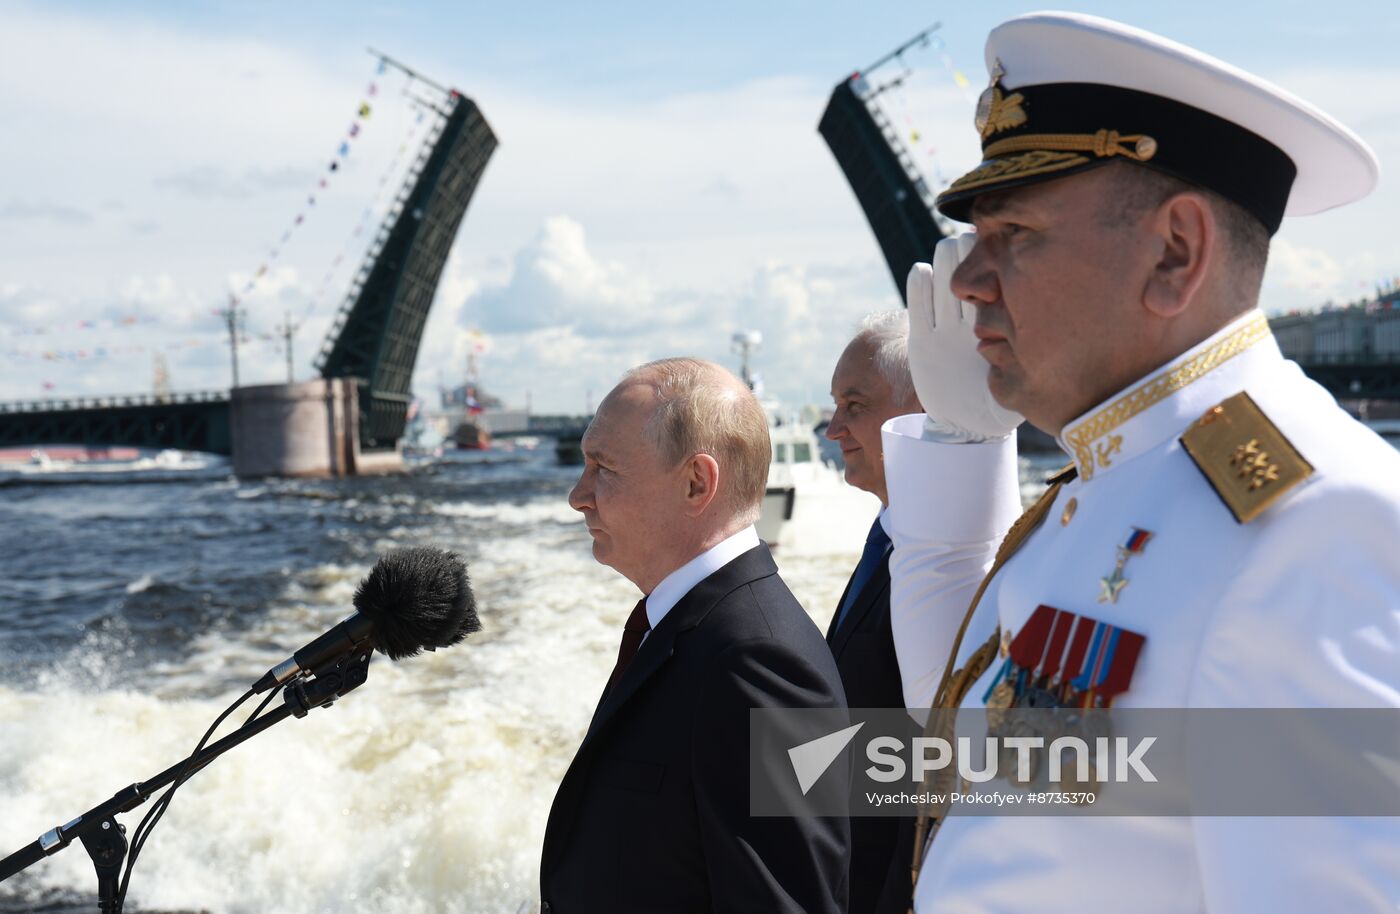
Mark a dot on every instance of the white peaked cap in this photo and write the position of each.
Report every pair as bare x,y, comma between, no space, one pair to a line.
1067,50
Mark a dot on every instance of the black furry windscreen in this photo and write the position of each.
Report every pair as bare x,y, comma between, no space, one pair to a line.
417,598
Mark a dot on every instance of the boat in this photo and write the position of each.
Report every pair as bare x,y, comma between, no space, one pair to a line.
808,507
80,464
568,447
472,435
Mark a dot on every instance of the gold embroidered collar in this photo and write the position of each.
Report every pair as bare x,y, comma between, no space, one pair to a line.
1097,440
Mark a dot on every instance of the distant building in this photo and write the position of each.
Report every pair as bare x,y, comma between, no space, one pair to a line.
1363,332
1353,351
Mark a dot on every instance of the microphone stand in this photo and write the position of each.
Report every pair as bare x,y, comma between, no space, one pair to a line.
105,839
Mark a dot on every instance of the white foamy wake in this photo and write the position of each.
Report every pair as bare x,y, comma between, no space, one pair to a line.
534,512
427,790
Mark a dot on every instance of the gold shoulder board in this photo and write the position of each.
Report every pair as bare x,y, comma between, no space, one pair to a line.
1244,456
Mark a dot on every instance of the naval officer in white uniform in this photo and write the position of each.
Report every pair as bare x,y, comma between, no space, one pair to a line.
1223,515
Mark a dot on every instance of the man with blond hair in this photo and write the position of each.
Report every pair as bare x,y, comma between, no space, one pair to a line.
653,813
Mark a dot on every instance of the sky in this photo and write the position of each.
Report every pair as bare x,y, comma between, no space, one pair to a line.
659,183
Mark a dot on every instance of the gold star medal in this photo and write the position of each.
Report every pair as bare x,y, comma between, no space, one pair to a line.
1110,587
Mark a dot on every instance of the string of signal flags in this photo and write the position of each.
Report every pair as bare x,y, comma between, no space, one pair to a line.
90,353
342,153
910,131
373,211
384,188
477,340
232,312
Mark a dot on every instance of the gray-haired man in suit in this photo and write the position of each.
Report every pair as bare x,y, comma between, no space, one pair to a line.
870,385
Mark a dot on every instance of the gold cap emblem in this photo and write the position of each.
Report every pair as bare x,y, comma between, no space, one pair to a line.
997,112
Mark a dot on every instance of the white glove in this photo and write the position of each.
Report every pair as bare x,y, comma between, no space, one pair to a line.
949,375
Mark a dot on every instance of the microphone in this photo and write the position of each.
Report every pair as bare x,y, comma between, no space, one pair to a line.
413,599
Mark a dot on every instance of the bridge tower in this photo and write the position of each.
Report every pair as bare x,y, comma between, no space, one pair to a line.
891,191
375,336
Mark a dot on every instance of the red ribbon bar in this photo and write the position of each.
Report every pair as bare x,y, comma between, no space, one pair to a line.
1074,663
1120,671
1029,643
1059,634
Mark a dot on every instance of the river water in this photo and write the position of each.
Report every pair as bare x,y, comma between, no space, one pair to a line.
135,612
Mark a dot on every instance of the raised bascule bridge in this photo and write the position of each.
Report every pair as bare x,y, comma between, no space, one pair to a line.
891,191
350,419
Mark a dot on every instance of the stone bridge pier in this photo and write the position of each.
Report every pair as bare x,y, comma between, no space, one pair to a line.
311,428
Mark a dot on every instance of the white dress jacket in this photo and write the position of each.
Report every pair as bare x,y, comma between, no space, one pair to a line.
1297,608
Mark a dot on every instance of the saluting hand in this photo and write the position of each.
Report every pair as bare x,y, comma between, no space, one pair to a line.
949,375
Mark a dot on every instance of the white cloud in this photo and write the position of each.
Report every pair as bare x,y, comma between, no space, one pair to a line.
702,212
1340,255
212,181
557,280
566,324
1303,278
684,218
17,210
200,169
1294,266
45,337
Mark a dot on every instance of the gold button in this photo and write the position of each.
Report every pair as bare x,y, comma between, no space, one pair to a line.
1068,514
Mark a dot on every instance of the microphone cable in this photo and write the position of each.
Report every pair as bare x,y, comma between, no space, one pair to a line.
157,810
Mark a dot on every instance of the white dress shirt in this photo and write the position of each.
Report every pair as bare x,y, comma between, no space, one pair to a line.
681,581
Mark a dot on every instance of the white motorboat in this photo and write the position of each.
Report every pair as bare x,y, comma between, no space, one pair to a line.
808,507
168,462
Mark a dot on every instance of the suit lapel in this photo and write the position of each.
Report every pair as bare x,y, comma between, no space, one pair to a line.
878,584
655,651
831,626
651,656
685,615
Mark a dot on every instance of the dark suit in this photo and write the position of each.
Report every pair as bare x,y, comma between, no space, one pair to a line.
881,848
653,813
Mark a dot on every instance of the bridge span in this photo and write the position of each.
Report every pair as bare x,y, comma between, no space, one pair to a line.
353,416
195,421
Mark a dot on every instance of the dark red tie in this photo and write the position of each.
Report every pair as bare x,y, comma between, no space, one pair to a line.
632,633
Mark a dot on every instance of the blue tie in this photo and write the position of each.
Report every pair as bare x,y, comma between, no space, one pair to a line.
876,544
